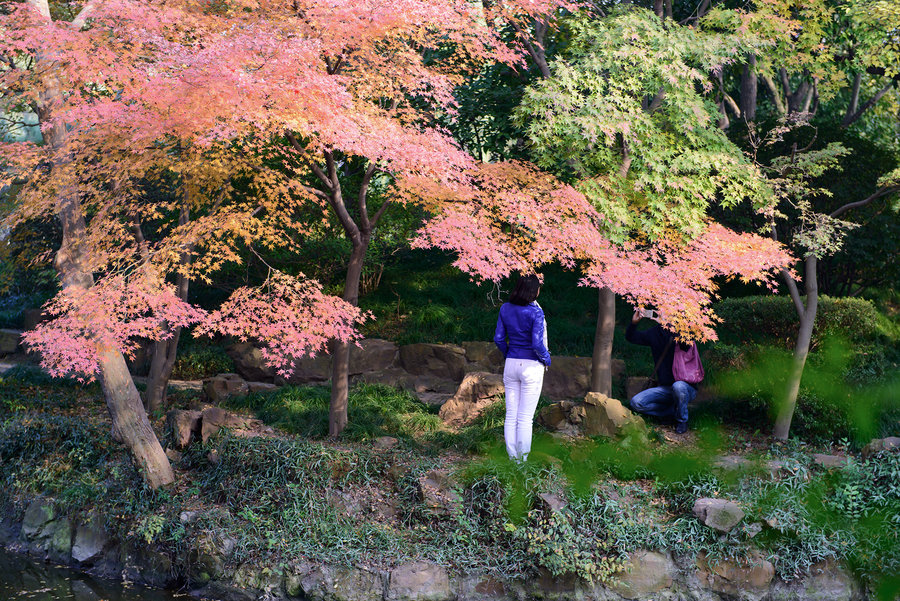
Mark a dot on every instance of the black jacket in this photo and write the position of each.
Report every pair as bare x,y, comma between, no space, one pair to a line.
658,339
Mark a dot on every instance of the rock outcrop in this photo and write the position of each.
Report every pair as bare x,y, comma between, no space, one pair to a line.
478,391
596,415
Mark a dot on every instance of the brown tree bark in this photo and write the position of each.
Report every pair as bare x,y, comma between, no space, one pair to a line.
166,351
601,360
749,90
807,313
340,351
129,420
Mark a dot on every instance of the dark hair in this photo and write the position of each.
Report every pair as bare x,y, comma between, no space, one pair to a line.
526,290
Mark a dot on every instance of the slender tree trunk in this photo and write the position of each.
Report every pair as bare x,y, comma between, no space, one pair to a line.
340,351
785,410
129,420
749,89
601,361
166,351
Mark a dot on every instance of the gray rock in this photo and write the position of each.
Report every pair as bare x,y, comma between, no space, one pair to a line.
90,541
208,557
183,425
734,578
478,587
552,502
881,444
309,370
446,361
37,515
433,399
419,581
483,356
261,387
384,443
326,583
829,461
9,342
719,514
249,362
645,572
373,354
60,535
224,386
597,415
478,391
214,419
570,377
826,581
437,491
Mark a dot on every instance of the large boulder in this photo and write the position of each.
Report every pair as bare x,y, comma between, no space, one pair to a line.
477,391
372,354
327,583
184,425
419,581
645,573
213,419
310,370
224,386
249,362
38,514
9,342
719,514
881,444
90,542
603,416
483,356
446,361
733,577
570,377
597,415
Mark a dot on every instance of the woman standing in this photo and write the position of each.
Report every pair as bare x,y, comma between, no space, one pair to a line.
522,338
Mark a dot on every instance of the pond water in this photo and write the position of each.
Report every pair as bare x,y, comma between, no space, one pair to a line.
23,578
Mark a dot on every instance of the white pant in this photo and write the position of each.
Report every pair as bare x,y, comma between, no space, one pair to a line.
523,379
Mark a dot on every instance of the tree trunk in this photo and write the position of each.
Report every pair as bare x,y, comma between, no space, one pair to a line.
340,351
601,361
166,351
749,90
785,410
129,420
164,354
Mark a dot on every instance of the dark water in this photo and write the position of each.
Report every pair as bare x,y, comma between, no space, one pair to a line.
23,579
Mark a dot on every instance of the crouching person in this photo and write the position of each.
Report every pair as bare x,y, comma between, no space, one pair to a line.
670,396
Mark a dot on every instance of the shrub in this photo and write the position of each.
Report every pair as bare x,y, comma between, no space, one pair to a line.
773,320
196,363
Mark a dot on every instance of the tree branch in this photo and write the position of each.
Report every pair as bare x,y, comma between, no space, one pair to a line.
861,203
315,168
849,119
789,280
540,58
776,94
83,15
337,201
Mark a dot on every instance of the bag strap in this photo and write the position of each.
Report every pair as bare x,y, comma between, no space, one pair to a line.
661,357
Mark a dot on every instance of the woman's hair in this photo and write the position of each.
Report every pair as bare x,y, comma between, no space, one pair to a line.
526,290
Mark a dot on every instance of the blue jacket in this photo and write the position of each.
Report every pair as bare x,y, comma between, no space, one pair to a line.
524,327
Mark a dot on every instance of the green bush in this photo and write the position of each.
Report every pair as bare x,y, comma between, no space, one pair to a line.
773,320
196,363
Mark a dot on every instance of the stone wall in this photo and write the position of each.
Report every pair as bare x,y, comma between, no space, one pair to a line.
432,371
207,570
